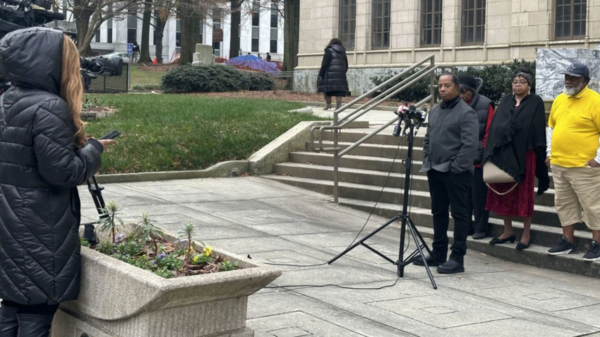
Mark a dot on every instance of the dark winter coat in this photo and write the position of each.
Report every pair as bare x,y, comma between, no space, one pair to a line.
40,169
332,76
481,105
515,131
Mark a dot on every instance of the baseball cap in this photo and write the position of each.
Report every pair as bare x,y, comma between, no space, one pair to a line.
577,70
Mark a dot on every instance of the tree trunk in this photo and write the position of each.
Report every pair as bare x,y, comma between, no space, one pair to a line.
145,47
160,28
83,14
236,19
187,32
291,37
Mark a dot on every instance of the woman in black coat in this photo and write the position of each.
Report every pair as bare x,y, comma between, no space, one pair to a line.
332,76
44,156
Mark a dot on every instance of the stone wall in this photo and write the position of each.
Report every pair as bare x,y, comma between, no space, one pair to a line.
551,62
359,80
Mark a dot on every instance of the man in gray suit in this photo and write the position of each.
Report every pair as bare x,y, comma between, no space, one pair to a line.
449,147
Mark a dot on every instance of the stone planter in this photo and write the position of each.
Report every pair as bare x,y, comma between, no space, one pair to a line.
120,300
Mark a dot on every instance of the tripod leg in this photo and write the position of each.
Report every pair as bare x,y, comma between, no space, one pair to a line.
363,240
413,231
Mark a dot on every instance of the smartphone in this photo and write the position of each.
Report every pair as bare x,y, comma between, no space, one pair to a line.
111,135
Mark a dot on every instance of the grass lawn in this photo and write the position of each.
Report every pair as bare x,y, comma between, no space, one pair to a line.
186,132
144,77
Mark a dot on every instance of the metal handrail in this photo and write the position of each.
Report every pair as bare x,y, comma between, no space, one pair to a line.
339,124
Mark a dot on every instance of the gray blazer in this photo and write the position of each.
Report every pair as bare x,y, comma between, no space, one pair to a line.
451,140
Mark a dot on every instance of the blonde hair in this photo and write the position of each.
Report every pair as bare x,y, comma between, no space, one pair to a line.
71,87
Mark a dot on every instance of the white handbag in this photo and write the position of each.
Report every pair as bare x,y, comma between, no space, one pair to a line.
492,174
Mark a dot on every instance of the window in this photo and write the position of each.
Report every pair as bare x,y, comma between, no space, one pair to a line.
255,26
201,31
217,14
381,24
431,22
132,26
274,28
178,34
347,23
97,37
473,21
109,26
570,19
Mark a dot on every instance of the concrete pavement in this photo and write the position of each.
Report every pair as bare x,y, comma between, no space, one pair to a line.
277,223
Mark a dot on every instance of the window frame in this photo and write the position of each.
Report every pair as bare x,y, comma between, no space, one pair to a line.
463,27
377,34
571,21
347,15
432,14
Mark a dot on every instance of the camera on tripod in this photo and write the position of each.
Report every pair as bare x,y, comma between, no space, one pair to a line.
410,116
19,14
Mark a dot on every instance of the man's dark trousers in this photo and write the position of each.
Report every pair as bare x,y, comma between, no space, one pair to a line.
449,190
477,203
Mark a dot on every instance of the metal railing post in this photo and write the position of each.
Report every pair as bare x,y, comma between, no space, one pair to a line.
432,84
336,158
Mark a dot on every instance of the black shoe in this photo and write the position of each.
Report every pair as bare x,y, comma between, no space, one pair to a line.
521,246
8,322
564,247
497,241
471,231
451,267
431,262
32,325
479,235
594,253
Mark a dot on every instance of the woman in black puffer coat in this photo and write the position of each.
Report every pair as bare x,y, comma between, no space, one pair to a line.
332,76
44,156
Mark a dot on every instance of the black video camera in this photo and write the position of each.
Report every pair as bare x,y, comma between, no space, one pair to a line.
410,117
19,14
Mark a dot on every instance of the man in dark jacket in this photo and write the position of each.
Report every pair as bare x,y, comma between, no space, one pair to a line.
484,109
449,147
40,169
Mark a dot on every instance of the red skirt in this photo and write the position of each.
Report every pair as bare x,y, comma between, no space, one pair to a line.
519,202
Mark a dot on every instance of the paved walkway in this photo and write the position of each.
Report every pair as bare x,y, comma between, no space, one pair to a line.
278,223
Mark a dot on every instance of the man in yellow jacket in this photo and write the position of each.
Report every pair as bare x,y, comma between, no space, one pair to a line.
574,153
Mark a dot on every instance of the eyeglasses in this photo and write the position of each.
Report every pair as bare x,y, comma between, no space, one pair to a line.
519,82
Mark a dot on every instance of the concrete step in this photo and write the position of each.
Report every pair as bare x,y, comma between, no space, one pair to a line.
371,178
353,135
541,235
543,214
374,150
355,162
536,255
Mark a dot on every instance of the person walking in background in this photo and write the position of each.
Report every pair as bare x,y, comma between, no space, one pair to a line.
332,76
136,51
449,147
484,109
44,156
574,152
516,144
268,57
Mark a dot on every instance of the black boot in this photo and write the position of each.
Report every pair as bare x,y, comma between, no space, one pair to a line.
32,325
8,321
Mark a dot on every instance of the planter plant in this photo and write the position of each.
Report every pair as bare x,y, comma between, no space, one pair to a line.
142,282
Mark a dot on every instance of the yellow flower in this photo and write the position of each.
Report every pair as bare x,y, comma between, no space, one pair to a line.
195,259
207,251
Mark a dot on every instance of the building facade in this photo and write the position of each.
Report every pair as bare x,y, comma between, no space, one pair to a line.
261,31
381,35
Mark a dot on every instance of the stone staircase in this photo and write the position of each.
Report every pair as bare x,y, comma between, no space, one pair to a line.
364,171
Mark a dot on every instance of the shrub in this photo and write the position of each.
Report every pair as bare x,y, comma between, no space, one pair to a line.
497,81
414,93
215,78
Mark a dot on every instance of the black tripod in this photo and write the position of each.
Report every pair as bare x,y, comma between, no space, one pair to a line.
412,121
89,232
